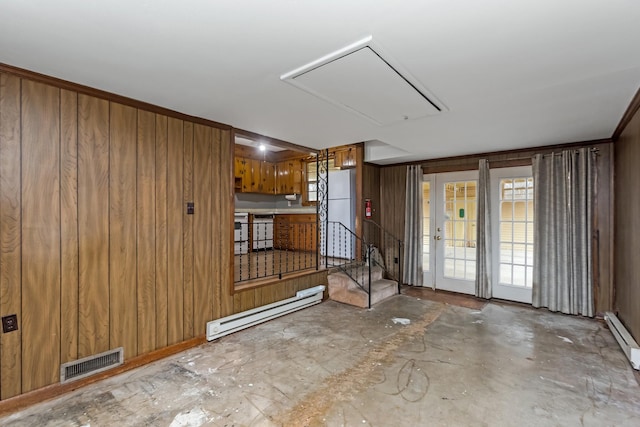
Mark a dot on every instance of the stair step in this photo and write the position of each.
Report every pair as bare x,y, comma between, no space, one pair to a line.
361,273
345,290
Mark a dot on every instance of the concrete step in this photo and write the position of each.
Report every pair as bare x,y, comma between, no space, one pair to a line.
345,290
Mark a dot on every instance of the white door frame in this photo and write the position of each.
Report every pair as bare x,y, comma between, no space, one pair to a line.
504,290
435,275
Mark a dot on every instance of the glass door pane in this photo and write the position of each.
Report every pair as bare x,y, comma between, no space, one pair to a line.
513,250
460,230
455,232
427,236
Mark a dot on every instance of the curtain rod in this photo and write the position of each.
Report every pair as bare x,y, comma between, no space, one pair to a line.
510,159
577,151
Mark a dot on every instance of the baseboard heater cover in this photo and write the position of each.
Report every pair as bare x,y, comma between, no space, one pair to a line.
627,343
230,324
90,365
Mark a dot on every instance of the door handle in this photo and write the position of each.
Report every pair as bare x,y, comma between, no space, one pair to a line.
437,237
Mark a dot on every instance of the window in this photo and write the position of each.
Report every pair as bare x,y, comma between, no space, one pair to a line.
311,185
312,181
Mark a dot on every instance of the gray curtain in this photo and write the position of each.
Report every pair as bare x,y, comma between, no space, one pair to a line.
413,227
483,239
562,262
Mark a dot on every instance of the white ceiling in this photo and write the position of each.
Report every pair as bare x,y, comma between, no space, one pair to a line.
512,74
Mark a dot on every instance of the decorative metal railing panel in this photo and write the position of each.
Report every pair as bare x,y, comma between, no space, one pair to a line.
274,250
322,205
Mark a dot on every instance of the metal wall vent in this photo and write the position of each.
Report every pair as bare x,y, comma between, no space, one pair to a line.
362,79
91,365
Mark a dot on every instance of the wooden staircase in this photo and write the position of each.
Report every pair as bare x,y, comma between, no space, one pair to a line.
343,288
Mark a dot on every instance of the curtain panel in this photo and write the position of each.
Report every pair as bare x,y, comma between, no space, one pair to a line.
413,228
562,264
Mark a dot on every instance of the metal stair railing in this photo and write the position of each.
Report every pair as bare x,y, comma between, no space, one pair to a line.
349,253
385,249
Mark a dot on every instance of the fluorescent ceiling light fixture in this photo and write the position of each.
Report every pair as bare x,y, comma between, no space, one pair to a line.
362,79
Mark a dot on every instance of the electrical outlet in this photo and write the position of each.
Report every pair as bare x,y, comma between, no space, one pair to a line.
9,323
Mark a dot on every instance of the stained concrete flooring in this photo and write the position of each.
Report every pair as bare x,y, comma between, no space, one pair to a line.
336,365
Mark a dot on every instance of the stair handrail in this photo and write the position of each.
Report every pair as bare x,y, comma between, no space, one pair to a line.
361,243
398,244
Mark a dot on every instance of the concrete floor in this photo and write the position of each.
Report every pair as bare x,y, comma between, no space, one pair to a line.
336,365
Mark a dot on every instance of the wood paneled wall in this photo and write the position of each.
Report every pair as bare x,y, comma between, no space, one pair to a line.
392,194
96,248
393,182
371,189
627,225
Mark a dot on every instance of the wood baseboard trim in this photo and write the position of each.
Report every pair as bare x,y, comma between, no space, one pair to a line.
25,400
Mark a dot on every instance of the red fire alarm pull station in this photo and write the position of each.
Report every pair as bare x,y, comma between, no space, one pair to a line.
367,208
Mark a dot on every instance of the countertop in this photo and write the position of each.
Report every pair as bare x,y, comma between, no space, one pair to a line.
310,210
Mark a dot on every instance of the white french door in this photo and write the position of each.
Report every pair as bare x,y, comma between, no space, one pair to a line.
512,229
449,240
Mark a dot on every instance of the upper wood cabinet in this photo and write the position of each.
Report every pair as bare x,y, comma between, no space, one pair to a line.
289,176
345,158
254,176
268,177
259,176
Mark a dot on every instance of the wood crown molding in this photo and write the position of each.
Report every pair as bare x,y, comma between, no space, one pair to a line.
632,109
86,90
489,154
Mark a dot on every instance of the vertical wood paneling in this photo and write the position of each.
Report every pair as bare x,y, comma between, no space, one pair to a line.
175,167
10,234
40,235
68,225
371,188
627,226
93,225
244,300
218,226
187,229
161,231
226,223
392,195
122,217
603,278
146,228
203,231
96,249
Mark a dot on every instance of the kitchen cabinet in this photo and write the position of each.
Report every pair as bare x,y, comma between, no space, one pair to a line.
259,176
296,232
345,158
268,177
238,174
254,176
290,175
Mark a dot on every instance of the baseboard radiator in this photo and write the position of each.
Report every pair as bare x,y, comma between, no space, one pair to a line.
230,324
627,343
